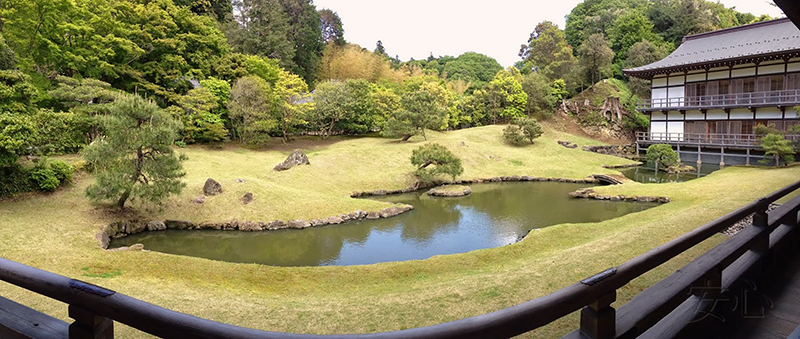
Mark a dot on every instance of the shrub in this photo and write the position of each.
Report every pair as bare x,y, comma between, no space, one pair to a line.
15,179
63,170
524,129
513,135
46,178
444,162
662,155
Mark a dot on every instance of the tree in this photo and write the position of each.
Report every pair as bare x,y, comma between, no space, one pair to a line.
476,69
662,154
332,103
332,30
251,110
642,53
262,27
291,94
422,107
353,62
221,10
504,97
202,119
134,159
548,53
524,129
8,58
596,56
306,34
628,29
444,162
776,145
17,132
540,98
380,50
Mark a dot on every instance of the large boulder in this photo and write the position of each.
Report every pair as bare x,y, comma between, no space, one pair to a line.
212,187
296,158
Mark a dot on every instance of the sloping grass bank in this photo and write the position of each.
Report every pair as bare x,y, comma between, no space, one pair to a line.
55,232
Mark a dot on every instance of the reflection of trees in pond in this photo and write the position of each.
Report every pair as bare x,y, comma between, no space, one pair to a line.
429,217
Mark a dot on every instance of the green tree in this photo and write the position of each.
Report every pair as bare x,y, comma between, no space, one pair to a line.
628,29
134,159
221,10
504,98
662,155
474,68
548,53
423,107
380,50
17,133
522,131
305,32
262,27
202,121
540,99
292,102
8,58
642,53
332,103
251,110
332,30
596,56
776,146
438,156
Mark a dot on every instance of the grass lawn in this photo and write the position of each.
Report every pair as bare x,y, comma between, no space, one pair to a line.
56,231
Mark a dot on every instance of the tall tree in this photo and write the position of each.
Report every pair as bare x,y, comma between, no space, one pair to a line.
380,50
474,68
292,102
220,9
642,53
548,52
251,109
306,34
332,30
596,56
134,160
504,98
262,27
423,106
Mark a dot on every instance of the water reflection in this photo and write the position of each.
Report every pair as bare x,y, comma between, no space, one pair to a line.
648,175
495,214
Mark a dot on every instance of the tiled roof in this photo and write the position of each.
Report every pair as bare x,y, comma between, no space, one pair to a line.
743,42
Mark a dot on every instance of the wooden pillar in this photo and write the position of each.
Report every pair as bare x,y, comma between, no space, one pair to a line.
598,319
679,153
699,157
761,220
722,157
88,325
748,157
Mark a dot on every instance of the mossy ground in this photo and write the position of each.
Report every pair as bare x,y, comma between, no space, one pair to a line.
56,231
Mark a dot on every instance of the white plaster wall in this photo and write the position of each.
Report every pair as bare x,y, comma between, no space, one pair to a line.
658,93
673,128
656,128
718,75
695,115
791,114
744,72
771,69
794,59
696,77
676,80
723,68
769,113
795,67
658,116
741,113
676,93
674,115
658,82
717,114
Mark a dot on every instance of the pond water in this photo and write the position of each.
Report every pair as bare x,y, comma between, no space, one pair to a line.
495,214
648,175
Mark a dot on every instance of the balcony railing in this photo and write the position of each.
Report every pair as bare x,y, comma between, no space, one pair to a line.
774,98
716,139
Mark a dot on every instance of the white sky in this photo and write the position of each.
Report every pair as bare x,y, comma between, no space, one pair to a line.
497,28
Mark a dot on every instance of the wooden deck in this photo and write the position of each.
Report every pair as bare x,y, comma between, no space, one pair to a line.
766,307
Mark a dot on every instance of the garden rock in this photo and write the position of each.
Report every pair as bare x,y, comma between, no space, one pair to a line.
568,144
247,198
295,159
103,239
299,224
156,225
212,187
451,191
199,200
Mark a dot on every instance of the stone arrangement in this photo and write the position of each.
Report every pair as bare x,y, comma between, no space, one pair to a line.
514,178
450,191
122,229
588,193
295,159
625,151
568,144
212,187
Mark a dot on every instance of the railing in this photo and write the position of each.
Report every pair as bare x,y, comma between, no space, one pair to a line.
774,98
94,308
711,139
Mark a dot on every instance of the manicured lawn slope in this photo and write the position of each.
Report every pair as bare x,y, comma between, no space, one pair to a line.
56,232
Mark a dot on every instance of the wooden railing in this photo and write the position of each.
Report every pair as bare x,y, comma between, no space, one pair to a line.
774,98
715,139
94,308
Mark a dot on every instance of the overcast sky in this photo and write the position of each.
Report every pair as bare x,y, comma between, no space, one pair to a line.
415,28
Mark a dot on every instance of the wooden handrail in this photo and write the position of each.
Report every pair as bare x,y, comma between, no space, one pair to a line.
782,97
593,294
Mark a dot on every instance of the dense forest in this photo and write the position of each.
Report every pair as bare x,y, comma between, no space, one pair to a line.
252,71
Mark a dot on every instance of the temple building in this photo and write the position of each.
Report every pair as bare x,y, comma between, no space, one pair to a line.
711,92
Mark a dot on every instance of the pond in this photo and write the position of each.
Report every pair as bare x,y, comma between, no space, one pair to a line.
495,214
648,175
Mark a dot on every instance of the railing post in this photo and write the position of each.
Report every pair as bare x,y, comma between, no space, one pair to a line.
598,319
88,325
761,220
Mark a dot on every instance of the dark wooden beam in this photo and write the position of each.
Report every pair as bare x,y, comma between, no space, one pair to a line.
792,10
